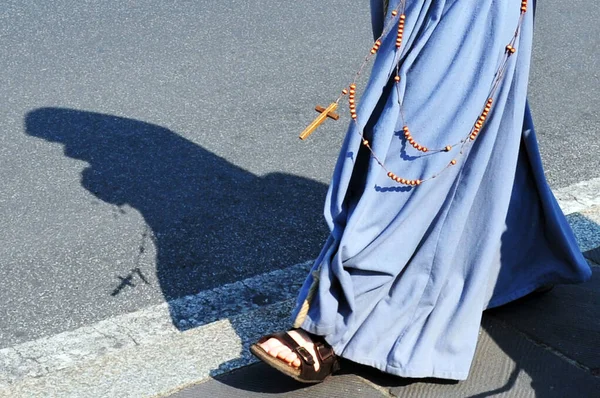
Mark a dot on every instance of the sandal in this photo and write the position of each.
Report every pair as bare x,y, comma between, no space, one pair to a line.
328,361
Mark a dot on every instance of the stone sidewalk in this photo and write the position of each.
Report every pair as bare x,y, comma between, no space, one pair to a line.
546,346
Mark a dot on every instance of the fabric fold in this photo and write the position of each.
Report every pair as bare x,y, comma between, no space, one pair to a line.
407,271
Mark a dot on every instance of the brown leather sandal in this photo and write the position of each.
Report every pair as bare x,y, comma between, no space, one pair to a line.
328,361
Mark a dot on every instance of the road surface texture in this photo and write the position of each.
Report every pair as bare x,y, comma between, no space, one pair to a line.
154,190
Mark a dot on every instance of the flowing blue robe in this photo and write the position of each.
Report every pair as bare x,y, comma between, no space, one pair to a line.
403,279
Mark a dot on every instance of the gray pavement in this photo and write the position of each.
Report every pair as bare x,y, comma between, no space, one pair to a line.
136,137
544,346
149,150
564,84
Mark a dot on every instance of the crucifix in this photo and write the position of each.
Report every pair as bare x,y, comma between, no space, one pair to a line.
324,114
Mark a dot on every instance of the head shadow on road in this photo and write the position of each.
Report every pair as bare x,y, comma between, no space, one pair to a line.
210,221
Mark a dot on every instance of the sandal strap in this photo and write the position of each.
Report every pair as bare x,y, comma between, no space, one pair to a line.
293,345
328,361
324,351
327,366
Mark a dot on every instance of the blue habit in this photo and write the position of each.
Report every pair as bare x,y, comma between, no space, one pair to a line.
403,279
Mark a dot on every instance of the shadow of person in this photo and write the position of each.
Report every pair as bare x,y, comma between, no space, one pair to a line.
552,339
211,222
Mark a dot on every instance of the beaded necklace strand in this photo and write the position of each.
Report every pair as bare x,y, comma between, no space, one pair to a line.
398,19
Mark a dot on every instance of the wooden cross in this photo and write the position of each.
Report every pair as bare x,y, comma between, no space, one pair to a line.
324,114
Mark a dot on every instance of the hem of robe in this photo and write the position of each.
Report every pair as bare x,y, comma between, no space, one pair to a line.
312,327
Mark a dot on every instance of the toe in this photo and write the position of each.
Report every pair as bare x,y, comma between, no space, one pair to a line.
291,357
278,351
271,344
283,354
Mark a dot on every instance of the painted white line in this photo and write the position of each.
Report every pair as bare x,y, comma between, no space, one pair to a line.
163,367
143,354
136,335
586,226
581,203
580,196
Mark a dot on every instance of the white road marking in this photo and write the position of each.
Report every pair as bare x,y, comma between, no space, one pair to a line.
114,347
143,354
580,196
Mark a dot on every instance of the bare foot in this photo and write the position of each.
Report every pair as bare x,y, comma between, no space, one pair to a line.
277,349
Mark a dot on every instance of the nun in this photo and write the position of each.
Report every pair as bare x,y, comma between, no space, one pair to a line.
438,206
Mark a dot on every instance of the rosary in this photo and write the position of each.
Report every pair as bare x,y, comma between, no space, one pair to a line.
398,19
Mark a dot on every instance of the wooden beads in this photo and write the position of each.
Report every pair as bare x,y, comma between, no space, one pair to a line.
475,130
403,180
400,31
481,119
375,46
412,142
352,101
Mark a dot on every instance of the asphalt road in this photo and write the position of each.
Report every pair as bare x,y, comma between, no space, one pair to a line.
150,150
